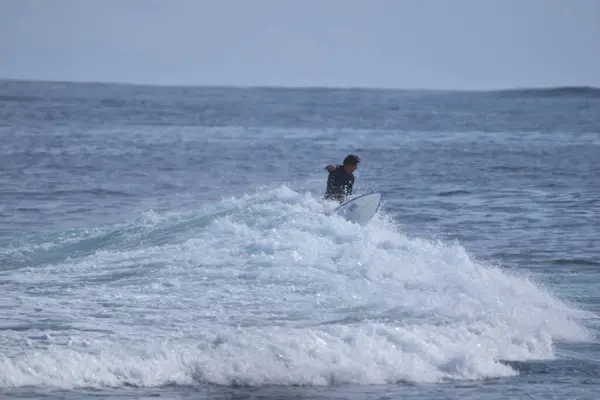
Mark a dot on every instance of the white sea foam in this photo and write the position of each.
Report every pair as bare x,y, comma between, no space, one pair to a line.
267,289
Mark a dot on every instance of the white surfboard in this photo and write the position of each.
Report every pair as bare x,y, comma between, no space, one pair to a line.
360,209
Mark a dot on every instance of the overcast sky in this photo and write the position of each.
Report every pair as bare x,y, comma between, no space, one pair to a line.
441,44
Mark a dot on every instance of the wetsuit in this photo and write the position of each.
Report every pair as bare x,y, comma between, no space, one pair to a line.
339,184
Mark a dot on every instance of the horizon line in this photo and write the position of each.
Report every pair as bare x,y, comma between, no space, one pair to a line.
301,87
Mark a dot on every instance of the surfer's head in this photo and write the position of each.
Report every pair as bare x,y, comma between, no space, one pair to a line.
351,163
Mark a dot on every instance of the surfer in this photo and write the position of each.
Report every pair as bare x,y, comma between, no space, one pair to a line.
341,178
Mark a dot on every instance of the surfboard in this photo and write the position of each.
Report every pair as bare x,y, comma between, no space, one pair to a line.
360,209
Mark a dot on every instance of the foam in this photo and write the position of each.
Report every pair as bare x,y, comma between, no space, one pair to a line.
267,289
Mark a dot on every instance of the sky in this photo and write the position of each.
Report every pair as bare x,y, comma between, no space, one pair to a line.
411,44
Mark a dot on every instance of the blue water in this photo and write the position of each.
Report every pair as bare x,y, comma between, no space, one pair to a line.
172,242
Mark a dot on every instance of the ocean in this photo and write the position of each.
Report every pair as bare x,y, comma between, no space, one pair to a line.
172,242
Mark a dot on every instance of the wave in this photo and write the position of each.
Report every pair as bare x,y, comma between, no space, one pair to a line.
266,289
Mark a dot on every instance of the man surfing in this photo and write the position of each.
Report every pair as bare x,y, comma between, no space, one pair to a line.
341,178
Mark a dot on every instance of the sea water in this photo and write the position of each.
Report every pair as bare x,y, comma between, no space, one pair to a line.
173,242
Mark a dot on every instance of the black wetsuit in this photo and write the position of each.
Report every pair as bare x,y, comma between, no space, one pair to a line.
339,184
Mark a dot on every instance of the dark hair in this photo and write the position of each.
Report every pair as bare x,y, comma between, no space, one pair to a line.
351,159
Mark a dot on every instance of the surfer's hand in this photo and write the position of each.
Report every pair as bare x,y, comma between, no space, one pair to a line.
330,168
